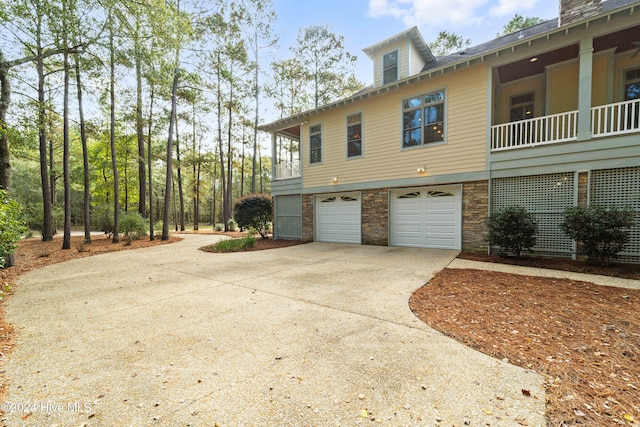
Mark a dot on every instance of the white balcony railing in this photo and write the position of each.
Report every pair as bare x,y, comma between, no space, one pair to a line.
615,119
537,131
288,170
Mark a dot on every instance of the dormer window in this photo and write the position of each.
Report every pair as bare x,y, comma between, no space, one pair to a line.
390,67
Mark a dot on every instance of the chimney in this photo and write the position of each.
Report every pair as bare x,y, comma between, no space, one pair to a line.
576,10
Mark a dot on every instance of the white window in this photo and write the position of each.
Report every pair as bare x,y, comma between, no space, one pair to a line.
315,144
423,119
632,92
354,135
521,107
390,67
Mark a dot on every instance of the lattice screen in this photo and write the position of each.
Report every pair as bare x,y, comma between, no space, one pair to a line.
546,196
619,187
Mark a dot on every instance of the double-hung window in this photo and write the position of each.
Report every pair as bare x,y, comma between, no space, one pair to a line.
315,144
354,135
390,67
423,119
632,92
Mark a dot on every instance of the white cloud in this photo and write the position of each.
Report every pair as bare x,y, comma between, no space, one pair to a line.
437,13
510,7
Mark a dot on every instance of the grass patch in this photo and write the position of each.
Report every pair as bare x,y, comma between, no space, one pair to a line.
232,245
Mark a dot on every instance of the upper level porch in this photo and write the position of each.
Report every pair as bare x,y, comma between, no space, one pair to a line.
609,120
581,90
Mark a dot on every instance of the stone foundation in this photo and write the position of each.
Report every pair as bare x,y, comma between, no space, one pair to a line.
307,217
375,217
475,208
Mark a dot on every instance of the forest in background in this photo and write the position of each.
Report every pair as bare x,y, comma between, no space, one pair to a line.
115,107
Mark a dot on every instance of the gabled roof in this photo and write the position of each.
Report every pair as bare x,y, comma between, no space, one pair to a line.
412,34
464,58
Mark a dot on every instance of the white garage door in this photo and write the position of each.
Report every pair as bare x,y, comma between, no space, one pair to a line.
427,217
338,218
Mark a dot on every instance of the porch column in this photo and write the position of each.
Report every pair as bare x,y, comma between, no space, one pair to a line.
584,89
274,153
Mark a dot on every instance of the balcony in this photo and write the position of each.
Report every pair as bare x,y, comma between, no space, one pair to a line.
287,170
606,120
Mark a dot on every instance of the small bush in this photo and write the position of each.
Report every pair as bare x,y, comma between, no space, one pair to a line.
12,225
133,225
601,232
34,217
513,229
102,219
232,225
254,211
233,245
219,227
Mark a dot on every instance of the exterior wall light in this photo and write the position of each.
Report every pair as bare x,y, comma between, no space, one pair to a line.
334,179
421,170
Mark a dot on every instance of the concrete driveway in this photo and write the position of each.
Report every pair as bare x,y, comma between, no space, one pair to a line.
311,335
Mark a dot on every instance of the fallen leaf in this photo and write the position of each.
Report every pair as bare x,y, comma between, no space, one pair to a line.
628,417
579,413
522,421
526,392
486,411
364,413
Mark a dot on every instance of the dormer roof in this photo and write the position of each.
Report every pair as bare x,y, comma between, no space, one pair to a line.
412,34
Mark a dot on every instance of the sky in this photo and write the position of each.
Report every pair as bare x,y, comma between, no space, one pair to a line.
366,22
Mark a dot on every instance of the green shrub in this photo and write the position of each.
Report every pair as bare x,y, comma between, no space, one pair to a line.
133,225
12,225
254,211
34,217
601,232
102,219
219,227
513,229
233,245
232,225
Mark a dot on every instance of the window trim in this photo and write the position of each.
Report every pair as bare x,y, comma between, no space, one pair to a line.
445,118
311,133
361,155
522,104
626,82
397,66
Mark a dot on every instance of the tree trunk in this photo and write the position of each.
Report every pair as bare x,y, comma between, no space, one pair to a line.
112,140
5,100
255,123
242,166
196,176
223,178
180,192
85,157
139,127
47,226
229,190
149,162
169,175
66,239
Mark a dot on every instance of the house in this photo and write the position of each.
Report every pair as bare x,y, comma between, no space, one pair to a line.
545,118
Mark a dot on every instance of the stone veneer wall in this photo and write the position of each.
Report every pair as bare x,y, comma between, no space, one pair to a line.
576,10
307,217
583,188
475,208
375,217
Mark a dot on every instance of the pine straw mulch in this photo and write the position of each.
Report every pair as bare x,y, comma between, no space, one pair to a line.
583,338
